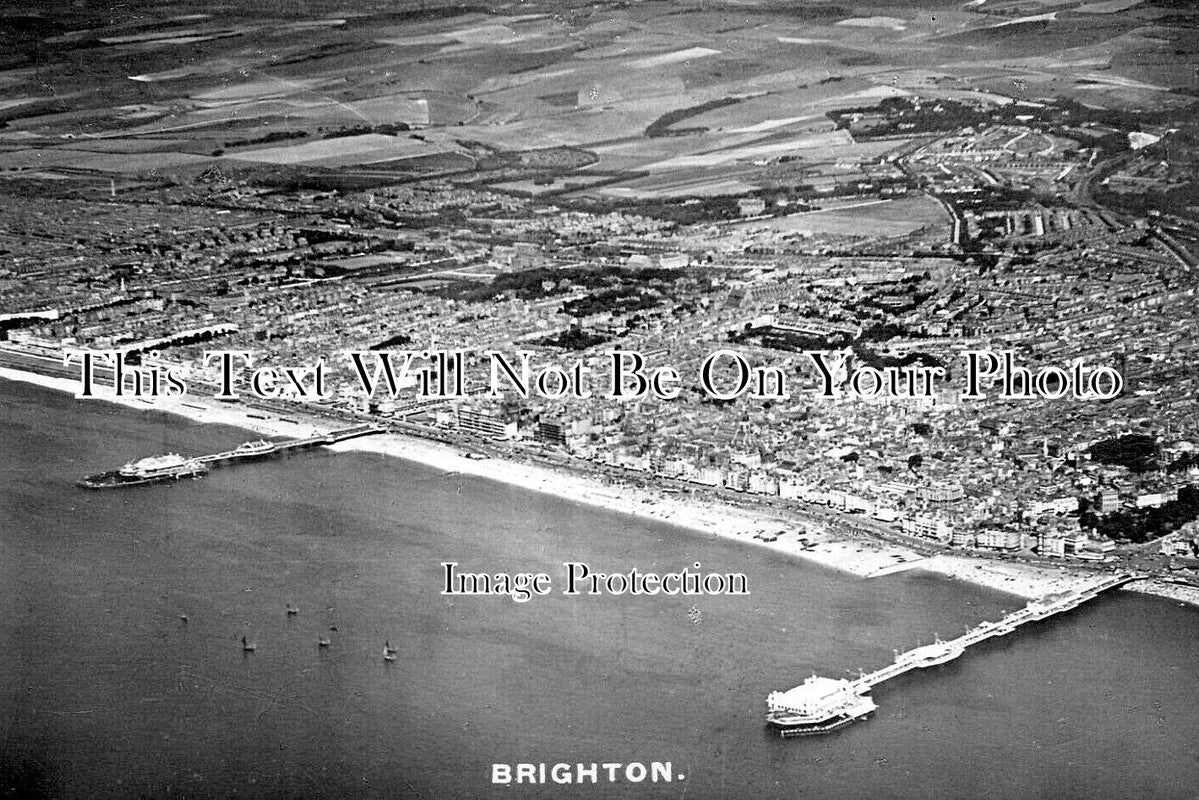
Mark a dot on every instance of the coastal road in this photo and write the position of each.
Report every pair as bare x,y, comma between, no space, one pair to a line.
843,524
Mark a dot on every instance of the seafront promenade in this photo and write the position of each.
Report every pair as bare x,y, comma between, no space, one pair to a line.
860,553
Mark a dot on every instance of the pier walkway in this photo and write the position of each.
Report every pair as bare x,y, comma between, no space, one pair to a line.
941,652
267,448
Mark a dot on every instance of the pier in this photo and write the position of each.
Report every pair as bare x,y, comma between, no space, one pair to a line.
942,652
174,467
820,705
317,440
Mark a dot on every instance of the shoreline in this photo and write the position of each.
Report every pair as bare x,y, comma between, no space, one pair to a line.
861,557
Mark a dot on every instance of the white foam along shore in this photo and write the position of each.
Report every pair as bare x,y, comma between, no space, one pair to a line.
861,556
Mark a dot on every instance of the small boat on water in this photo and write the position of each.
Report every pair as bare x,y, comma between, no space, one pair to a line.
248,647
292,610
389,652
322,641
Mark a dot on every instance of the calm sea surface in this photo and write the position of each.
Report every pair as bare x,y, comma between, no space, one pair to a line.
105,692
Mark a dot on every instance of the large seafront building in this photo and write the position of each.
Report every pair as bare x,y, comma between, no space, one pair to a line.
486,422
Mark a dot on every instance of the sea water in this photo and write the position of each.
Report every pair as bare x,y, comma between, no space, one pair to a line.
107,691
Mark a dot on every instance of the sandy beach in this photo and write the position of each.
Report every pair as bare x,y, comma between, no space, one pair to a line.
863,557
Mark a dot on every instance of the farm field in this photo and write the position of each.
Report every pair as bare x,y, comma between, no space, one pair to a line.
670,98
